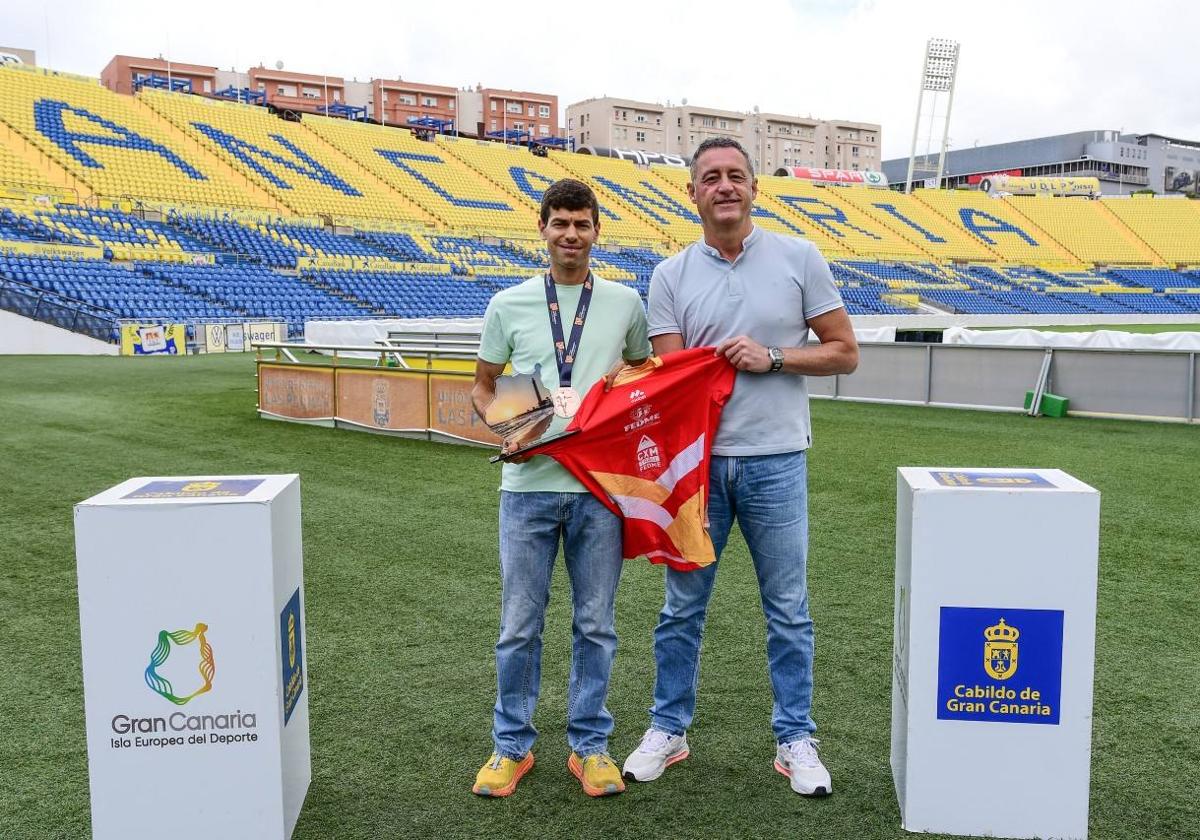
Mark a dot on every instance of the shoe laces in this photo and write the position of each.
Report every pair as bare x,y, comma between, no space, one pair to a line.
496,761
602,761
655,740
803,752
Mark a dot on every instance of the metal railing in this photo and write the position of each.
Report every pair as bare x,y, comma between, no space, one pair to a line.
386,352
51,308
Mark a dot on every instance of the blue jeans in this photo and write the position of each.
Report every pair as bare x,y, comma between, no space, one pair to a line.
531,525
768,495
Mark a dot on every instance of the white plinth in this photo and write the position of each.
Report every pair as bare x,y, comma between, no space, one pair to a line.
995,617
191,610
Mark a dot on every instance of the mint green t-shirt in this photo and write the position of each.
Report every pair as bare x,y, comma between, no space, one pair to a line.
516,328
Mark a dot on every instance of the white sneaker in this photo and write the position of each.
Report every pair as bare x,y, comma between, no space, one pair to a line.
798,760
654,754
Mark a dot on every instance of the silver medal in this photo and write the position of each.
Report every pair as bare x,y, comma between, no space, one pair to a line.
566,402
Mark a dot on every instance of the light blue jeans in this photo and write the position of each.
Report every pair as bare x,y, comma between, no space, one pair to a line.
531,526
768,496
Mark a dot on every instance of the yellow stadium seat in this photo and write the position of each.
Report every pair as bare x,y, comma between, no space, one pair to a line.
1084,228
994,223
294,165
109,142
525,177
1169,226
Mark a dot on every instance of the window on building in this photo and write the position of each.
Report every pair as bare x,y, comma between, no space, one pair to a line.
208,85
450,104
640,137
543,111
708,122
543,131
854,151
513,107
493,106
640,118
532,111
493,125
658,120
411,99
429,101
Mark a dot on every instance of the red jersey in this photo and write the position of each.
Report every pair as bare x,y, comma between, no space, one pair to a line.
643,449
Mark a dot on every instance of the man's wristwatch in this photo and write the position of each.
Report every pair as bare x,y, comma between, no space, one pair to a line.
776,358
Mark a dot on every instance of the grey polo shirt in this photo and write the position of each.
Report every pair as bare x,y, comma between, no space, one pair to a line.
768,293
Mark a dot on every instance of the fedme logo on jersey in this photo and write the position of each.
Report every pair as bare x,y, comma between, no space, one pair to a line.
648,456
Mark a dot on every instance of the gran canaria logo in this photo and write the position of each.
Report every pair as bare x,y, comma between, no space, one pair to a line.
161,685
1000,650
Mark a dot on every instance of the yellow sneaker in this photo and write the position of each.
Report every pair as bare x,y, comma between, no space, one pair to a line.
597,773
500,775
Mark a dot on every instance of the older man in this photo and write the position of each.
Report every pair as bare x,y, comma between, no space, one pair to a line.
754,295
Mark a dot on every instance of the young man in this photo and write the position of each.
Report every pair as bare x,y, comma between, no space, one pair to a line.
754,295
575,325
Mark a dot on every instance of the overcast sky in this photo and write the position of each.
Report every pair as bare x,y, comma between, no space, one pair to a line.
1027,69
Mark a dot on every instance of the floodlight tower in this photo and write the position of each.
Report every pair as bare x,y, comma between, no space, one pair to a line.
937,76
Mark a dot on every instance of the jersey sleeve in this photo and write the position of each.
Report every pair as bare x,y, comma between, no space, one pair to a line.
820,294
662,317
495,346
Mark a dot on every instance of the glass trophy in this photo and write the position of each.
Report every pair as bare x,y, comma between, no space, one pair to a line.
521,411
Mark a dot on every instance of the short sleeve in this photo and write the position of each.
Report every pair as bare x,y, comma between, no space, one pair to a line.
637,343
494,345
662,317
820,294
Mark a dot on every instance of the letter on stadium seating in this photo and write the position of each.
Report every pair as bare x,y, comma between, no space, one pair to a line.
253,156
806,205
48,117
400,160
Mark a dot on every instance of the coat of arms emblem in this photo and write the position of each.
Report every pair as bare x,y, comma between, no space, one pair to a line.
1000,650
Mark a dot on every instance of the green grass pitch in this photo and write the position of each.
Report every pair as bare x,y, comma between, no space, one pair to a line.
402,593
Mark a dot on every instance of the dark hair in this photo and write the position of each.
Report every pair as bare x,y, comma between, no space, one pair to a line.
569,194
719,143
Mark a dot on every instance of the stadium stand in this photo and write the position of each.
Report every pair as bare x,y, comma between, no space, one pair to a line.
232,237
526,176
298,169
180,208
767,213
131,291
253,292
17,172
837,228
1170,227
441,184
1011,237
928,231
109,142
1085,229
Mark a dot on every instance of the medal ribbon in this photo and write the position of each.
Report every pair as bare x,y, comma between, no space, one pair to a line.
565,350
